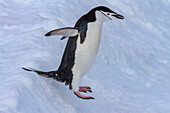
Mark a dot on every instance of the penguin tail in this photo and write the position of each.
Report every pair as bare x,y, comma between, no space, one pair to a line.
50,74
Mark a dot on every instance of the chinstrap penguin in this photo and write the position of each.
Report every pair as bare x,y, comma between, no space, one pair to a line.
81,49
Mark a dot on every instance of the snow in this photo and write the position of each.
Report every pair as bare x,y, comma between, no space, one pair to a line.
131,73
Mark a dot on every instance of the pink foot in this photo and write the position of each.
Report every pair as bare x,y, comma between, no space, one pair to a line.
85,89
78,94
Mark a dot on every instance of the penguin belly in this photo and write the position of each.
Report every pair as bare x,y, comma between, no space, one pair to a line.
86,52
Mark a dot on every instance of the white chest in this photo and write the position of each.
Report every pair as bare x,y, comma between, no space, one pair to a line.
86,53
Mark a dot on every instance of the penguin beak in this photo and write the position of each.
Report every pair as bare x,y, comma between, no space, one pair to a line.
118,16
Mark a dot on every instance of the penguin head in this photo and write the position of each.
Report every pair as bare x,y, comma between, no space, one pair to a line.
103,14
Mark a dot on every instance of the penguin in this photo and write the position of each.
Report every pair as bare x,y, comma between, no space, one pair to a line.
81,49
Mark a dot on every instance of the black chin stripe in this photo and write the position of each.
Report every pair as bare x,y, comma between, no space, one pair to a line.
105,15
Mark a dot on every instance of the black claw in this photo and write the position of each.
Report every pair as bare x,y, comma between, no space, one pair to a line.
88,98
84,91
92,98
88,88
84,98
90,91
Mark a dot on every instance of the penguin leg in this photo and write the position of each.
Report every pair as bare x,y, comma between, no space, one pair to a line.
78,94
85,89
76,85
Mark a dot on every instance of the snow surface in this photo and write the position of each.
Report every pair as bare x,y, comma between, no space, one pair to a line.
131,73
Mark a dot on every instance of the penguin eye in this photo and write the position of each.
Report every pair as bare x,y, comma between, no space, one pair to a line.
108,13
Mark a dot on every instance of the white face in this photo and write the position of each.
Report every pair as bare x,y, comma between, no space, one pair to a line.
105,16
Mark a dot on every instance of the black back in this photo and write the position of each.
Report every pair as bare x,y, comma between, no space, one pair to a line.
64,71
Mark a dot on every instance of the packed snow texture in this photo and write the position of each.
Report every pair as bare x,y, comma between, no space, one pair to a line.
131,73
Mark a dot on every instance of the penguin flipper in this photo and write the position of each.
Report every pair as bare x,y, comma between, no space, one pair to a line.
65,32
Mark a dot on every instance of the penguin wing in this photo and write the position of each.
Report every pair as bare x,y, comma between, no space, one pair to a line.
65,32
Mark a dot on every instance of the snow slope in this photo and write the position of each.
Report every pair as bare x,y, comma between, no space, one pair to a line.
131,73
